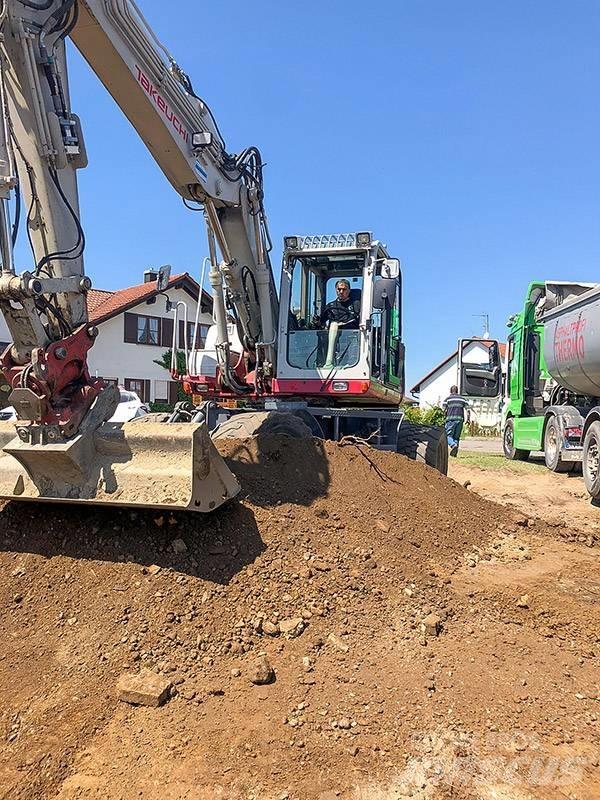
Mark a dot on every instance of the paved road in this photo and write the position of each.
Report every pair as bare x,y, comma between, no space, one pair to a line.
483,444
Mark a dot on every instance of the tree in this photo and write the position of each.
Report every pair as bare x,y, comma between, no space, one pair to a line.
165,361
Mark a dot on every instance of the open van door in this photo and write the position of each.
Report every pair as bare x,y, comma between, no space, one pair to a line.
479,368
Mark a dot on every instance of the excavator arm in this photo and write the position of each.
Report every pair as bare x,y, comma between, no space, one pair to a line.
58,404
41,150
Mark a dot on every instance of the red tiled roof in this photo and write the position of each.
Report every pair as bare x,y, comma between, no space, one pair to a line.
103,305
417,386
96,297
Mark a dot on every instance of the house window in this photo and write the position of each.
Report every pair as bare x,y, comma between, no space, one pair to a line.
141,329
161,391
140,386
148,330
200,335
111,381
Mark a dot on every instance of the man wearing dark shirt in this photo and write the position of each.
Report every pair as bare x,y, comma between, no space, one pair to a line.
343,310
456,408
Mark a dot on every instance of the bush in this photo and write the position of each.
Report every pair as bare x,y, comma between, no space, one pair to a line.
165,361
425,416
161,407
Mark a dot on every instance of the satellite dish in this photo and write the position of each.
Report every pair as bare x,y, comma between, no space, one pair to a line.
162,282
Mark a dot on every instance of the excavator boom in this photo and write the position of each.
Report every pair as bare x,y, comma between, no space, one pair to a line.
63,448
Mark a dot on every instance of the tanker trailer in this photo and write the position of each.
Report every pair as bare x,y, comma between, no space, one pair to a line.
553,379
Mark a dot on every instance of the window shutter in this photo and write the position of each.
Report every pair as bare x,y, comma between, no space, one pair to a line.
146,397
173,385
130,334
167,332
181,335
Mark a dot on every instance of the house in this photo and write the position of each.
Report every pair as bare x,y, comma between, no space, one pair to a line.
433,388
135,330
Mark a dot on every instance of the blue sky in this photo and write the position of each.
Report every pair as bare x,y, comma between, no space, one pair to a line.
466,135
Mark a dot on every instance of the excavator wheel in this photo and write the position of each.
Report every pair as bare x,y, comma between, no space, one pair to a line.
263,423
154,416
424,443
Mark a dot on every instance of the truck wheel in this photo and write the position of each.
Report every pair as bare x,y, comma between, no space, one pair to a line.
552,457
263,423
591,460
508,443
424,443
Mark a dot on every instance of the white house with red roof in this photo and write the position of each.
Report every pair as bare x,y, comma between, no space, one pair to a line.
136,329
434,387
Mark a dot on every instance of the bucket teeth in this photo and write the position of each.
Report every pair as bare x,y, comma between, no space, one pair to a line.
155,465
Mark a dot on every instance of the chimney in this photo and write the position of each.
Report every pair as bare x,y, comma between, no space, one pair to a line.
150,275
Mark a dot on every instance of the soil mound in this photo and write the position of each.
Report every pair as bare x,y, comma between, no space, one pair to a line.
310,631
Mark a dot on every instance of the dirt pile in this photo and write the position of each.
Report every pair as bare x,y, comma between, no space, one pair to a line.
346,579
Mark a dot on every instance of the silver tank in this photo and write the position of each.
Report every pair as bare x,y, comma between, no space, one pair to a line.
572,343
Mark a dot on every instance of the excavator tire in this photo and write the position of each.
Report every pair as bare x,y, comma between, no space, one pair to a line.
154,416
263,423
424,443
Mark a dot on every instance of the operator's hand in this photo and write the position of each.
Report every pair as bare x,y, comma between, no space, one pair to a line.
316,322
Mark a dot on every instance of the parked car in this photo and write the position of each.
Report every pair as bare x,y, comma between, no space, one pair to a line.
8,413
130,406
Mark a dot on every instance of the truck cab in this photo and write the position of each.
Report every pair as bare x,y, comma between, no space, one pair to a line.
541,413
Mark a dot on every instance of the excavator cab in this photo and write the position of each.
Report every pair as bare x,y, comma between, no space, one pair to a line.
340,310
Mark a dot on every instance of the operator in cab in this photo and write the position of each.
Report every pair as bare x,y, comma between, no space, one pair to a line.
343,310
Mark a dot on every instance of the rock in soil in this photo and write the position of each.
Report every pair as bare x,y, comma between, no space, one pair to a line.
261,672
144,688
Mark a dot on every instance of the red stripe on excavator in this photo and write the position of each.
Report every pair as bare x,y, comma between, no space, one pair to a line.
316,386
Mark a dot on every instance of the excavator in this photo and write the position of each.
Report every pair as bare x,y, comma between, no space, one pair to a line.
271,363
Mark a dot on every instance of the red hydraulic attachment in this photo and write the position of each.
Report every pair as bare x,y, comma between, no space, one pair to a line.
55,387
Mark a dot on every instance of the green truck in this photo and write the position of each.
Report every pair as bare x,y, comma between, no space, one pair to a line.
552,393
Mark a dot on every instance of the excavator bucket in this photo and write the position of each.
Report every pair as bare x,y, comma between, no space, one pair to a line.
152,465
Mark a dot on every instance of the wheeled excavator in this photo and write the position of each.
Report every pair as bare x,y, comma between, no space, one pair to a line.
269,363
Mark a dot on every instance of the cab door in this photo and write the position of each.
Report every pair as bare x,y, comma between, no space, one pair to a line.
387,348
479,368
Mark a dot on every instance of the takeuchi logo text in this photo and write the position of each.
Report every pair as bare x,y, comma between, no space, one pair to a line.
162,105
569,342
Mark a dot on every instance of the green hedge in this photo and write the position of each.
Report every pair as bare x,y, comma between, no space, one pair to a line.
425,416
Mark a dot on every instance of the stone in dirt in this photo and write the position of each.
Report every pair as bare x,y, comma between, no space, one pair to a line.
261,672
144,688
523,601
338,643
431,625
292,627
179,546
270,629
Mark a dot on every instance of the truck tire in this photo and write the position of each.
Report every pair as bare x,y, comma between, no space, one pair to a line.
508,443
424,443
552,457
263,423
591,460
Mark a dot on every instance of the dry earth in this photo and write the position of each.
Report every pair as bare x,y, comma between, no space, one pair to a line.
425,642
531,488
